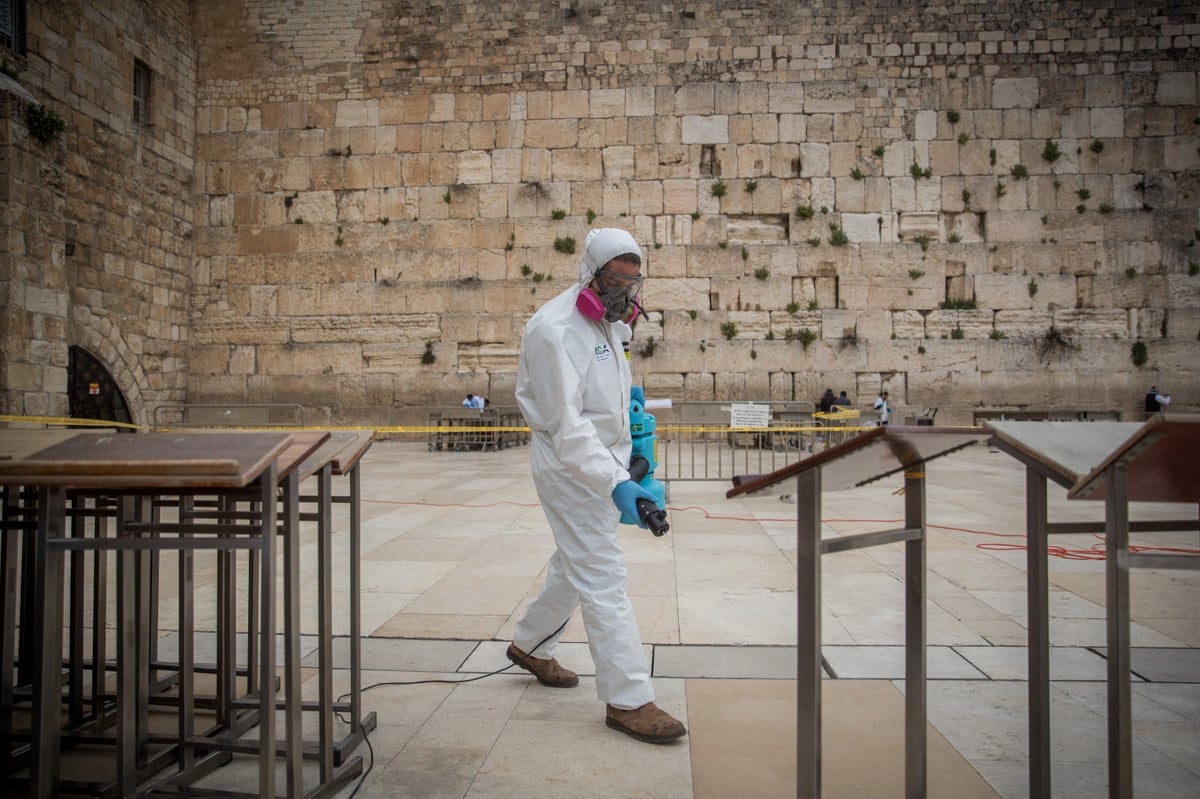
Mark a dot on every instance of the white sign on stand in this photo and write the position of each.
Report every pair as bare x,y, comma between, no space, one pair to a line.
747,414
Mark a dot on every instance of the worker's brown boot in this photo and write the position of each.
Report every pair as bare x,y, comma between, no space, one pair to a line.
548,672
648,723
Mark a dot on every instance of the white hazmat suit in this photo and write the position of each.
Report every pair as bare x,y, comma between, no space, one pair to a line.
573,389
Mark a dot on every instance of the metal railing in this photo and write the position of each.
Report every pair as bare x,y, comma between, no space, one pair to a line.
232,415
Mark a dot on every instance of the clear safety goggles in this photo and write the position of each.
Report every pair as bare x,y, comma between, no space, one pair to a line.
611,280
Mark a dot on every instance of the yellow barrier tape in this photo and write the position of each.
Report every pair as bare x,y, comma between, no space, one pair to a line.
66,421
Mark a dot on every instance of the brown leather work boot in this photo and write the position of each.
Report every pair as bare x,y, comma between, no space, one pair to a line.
648,723
548,672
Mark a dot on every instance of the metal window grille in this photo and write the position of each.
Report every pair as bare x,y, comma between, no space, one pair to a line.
12,25
141,92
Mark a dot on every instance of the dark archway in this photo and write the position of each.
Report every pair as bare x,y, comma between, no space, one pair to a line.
92,391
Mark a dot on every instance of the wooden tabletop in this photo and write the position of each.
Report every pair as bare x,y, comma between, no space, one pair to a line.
870,456
17,443
1161,462
1063,451
341,451
153,460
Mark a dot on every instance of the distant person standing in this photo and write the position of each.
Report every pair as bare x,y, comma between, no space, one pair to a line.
881,405
843,399
828,401
1155,401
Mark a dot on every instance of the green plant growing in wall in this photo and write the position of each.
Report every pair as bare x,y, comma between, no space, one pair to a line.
957,333
963,138
837,236
1019,172
648,348
957,305
1079,209
693,313
1051,152
856,173
695,214
751,185
1033,287
339,241
1001,189
591,216
745,253
1131,272
966,198
558,213
383,220
1106,208
954,238
923,240
992,156
298,220
428,357
43,124
1097,146
805,337
565,245
724,245
718,189
916,274
812,305
526,270
446,198
1138,353
762,273
878,151
813,242
805,211
792,307
729,330
997,334
1083,194
917,172
952,115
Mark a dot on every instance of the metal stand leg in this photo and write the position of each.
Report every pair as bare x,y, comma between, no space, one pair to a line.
1116,566
915,777
46,638
1038,618
808,634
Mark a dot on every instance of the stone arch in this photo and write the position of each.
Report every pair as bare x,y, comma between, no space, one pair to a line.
99,336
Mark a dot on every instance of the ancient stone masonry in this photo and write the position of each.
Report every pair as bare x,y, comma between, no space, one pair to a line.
96,248
975,205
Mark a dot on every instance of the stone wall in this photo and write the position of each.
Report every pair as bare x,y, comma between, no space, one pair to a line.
96,248
377,181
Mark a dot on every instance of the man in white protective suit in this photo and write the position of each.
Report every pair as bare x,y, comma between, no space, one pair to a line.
573,389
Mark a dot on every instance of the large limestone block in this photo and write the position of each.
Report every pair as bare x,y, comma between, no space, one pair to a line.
475,167
705,129
488,357
405,358
1182,291
1003,292
679,293
310,359
1176,88
908,324
770,294
953,324
814,160
374,329
829,97
1027,324
1092,322
940,388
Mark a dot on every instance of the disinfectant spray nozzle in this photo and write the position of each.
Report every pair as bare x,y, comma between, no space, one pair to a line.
654,517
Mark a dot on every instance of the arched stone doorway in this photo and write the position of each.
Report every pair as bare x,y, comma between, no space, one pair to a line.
91,390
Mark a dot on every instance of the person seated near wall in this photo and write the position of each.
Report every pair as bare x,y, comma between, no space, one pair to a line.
843,399
827,401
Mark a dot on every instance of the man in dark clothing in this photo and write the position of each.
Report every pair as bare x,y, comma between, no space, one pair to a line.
1156,402
828,401
843,399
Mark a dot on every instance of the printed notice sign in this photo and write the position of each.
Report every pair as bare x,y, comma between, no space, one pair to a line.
747,414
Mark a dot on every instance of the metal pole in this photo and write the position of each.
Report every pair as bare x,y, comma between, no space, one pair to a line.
808,634
1116,567
1038,618
915,776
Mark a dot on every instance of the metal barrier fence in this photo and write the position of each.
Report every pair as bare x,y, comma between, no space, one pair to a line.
266,415
461,429
715,452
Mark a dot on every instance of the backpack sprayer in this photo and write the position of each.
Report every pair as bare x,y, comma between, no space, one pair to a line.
642,461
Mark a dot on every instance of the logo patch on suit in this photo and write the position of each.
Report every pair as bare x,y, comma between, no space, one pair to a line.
603,353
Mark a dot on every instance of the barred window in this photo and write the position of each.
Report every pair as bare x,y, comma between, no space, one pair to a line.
141,92
12,25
